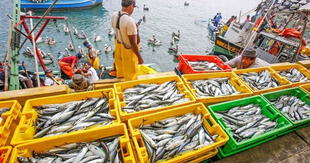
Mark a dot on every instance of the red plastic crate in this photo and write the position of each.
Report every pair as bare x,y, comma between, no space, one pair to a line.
185,67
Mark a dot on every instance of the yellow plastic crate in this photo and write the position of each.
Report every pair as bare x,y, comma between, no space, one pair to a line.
208,121
43,145
282,81
305,87
9,121
5,153
26,127
233,79
120,87
299,67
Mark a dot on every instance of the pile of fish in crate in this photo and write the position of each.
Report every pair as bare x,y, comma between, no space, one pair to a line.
170,119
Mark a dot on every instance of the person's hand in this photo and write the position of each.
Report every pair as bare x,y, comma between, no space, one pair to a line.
140,61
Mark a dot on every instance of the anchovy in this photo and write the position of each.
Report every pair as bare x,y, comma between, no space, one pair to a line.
260,80
169,137
55,119
214,87
151,96
247,121
102,150
294,75
292,107
203,65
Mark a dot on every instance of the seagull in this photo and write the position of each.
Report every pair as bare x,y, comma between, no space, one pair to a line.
176,37
66,29
70,46
97,38
111,32
107,48
42,53
28,52
145,8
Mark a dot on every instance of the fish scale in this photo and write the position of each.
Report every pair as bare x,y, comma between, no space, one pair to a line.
152,96
102,150
248,123
78,115
189,134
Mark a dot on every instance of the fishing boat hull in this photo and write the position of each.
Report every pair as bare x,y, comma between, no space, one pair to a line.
224,47
61,4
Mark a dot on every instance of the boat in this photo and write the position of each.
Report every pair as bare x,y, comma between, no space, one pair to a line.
60,5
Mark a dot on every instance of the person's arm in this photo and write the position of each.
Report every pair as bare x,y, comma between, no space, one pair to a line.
233,62
134,46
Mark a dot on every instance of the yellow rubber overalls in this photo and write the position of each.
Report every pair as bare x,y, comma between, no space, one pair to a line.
127,58
96,63
118,59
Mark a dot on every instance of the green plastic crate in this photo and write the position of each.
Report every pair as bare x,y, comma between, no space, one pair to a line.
298,92
232,146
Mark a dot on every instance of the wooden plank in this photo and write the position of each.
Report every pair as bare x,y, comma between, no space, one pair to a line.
300,157
160,74
274,151
304,133
24,94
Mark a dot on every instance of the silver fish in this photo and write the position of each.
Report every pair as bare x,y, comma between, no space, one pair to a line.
203,65
169,137
260,80
294,75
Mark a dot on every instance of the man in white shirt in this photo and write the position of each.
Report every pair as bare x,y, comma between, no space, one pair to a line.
247,60
126,33
89,72
50,80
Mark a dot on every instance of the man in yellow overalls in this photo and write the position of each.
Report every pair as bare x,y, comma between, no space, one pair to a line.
92,55
127,55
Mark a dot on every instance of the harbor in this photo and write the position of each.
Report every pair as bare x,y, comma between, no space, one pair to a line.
155,81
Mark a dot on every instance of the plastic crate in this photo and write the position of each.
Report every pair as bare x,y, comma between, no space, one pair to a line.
5,153
305,87
299,67
26,127
199,108
185,67
282,81
43,145
298,92
233,79
232,146
9,121
120,87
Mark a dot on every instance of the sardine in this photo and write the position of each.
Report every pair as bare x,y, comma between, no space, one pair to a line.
260,80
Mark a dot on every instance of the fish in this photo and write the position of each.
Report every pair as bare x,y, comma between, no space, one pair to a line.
183,133
246,122
2,111
292,107
151,96
261,80
293,75
214,87
203,65
102,150
54,119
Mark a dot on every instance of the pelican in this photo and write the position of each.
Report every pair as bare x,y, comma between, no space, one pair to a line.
70,46
75,31
67,52
42,53
176,37
47,61
97,38
28,52
81,35
107,48
145,8
51,41
111,32
81,50
66,29
174,50
153,41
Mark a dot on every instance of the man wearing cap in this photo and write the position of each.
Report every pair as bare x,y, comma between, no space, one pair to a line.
247,60
50,79
68,64
127,55
92,56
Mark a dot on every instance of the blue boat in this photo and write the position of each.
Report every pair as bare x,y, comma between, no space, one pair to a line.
60,5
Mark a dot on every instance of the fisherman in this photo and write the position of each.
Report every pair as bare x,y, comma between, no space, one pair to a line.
89,72
127,55
50,80
68,64
217,19
247,60
92,56
78,83
232,18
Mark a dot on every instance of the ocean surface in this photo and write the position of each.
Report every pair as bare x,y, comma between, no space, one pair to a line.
163,18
